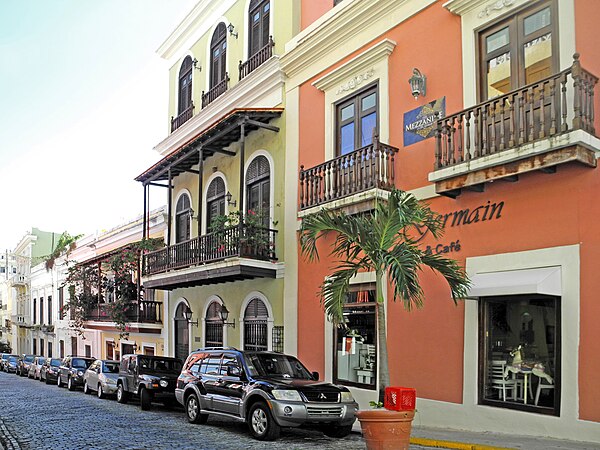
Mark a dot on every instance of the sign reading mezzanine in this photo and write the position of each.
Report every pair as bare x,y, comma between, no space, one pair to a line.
421,123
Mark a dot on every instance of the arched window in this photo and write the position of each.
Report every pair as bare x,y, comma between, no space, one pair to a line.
218,55
182,334
215,200
259,25
213,336
183,218
258,188
255,325
185,85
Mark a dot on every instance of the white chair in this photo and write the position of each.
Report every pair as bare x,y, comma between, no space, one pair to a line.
544,383
500,382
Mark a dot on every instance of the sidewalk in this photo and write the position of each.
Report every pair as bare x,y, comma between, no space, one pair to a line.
424,437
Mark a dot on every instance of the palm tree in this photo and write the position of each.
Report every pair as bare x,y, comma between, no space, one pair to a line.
384,241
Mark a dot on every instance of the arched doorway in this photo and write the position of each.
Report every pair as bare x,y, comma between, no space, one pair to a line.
182,333
213,326
256,332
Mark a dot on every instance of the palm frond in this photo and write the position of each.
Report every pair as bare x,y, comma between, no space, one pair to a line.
454,274
334,292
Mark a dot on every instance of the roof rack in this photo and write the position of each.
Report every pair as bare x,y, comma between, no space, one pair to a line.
216,348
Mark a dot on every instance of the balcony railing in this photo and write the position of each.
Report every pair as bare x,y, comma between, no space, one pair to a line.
182,118
218,89
143,312
236,241
367,168
555,105
257,59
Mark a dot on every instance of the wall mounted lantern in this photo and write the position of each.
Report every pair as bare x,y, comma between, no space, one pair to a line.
418,83
230,202
188,317
225,316
230,28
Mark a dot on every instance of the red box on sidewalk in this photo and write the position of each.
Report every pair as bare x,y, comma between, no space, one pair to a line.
400,398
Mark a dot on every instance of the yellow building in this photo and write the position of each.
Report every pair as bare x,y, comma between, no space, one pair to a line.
222,170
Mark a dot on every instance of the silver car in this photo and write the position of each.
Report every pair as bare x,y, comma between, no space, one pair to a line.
101,377
34,368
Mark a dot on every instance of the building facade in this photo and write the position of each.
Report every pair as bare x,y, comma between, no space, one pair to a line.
222,172
485,110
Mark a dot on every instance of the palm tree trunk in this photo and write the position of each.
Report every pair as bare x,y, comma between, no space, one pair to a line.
383,373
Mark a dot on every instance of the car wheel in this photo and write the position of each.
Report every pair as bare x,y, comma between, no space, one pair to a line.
70,385
122,396
86,388
100,391
192,410
337,431
145,399
261,423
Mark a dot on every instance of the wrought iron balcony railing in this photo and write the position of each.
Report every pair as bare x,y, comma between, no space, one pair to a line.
367,168
236,241
183,117
217,90
257,59
143,312
555,105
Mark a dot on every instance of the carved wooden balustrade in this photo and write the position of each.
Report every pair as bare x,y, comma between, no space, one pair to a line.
555,105
217,90
368,167
257,59
182,118
235,241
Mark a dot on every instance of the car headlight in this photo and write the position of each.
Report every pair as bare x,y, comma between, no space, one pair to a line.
164,383
287,395
346,397
80,373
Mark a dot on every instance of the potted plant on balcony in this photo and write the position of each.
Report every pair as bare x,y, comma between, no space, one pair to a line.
383,241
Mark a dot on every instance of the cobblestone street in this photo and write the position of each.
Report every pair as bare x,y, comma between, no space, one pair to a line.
38,416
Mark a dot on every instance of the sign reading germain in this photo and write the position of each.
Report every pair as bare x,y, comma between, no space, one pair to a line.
420,123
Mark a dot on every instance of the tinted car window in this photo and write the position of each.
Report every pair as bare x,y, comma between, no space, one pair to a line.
81,363
12,359
28,358
211,365
55,362
110,367
228,361
159,365
41,360
264,365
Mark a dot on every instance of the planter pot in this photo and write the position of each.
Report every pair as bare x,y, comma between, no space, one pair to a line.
384,429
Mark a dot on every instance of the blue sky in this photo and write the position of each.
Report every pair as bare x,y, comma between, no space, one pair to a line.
83,99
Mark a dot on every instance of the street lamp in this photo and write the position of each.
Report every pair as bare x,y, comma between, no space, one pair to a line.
188,317
225,315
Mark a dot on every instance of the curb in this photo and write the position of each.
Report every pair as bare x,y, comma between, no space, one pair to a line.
436,443
7,440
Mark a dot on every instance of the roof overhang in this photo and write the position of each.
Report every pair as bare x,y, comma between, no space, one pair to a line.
215,139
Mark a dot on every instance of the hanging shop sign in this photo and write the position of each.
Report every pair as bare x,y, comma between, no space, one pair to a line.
421,123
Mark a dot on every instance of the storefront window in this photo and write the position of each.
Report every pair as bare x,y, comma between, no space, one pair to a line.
355,355
520,352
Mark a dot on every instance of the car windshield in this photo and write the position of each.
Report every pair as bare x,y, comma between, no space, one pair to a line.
28,358
12,359
40,361
55,363
159,365
275,365
110,367
81,363
4,356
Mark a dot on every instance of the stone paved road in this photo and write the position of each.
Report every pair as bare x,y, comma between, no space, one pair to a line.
47,417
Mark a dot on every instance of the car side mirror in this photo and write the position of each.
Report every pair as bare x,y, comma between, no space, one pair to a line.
234,371
315,376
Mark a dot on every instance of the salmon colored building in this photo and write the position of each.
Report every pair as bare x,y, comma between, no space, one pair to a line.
497,133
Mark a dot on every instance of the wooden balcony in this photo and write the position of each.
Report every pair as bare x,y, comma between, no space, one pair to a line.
216,91
516,133
142,312
182,118
257,59
369,167
211,258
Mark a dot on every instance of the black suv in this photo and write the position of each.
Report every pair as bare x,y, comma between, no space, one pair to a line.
149,377
267,390
71,371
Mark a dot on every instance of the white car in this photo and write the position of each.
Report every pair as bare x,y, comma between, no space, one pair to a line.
101,377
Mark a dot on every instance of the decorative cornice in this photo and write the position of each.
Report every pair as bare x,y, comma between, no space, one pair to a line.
263,88
361,65
334,35
462,7
496,6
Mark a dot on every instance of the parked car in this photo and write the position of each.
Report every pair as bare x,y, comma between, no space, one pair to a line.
11,364
149,377
265,389
23,364
101,377
35,366
4,359
50,369
71,371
